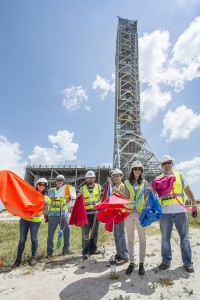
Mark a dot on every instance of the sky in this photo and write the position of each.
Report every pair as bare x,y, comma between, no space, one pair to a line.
57,81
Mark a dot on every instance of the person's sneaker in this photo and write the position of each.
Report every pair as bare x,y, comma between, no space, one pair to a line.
141,269
67,252
189,269
96,252
163,266
17,263
86,256
130,269
33,262
49,255
118,257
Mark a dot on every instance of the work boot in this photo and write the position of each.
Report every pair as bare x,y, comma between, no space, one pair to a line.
17,263
130,269
141,269
33,261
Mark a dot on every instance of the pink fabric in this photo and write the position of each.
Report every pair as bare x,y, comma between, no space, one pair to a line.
163,185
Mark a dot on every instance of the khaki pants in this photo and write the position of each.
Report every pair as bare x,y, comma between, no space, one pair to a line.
130,222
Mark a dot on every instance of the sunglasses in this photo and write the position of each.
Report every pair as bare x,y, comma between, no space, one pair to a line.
167,163
42,184
137,169
59,179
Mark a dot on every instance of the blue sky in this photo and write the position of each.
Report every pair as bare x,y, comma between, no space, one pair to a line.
57,70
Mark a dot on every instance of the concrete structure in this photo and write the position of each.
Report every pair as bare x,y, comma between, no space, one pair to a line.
129,143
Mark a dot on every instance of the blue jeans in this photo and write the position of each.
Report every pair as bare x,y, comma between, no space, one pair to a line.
120,240
24,226
90,235
166,226
64,225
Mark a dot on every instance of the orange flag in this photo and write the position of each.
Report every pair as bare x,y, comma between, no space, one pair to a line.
18,196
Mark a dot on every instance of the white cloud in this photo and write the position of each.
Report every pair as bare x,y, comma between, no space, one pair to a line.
103,85
74,97
180,123
62,150
191,169
163,69
88,108
11,157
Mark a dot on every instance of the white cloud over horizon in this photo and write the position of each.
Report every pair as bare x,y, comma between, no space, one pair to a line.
191,169
74,97
104,85
180,123
63,149
11,157
165,69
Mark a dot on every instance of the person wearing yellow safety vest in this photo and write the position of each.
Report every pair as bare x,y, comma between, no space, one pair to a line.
173,212
58,215
33,224
92,193
133,187
119,230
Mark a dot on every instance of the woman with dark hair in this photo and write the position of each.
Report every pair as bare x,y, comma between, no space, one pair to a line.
33,224
132,190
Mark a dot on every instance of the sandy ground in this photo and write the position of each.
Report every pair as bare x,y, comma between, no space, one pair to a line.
73,279
6,216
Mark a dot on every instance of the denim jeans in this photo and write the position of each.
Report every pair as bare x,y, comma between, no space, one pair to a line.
64,225
166,226
90,235
24,226
120,240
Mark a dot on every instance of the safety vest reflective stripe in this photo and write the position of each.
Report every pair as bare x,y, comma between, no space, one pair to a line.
133,196
178,191
93,198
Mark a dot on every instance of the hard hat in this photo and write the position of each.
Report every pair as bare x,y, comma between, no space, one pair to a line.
137,164
166,158
60,177
116,171
90,174
43,180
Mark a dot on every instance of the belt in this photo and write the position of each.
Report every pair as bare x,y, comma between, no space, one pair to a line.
172,197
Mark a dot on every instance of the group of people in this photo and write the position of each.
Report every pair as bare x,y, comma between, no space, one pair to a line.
173,212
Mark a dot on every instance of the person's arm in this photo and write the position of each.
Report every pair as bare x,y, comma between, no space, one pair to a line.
190,196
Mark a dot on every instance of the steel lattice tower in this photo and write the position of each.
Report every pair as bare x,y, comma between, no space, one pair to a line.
129,143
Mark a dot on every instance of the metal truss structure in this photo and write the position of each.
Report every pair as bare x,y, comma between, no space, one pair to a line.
129,143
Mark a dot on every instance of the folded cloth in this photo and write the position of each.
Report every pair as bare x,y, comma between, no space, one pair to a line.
152,211
78,215
111,217
163,185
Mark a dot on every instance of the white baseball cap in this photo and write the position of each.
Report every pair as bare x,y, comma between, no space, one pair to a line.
116,171
166,158
61,177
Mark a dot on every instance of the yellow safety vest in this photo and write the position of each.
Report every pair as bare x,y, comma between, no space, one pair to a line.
178,187
36,218
93,198
140,206
56,204
120,187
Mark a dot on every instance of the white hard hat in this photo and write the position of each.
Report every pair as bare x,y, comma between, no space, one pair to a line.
116,171
60,177
90,174
43,180
137,164
166,158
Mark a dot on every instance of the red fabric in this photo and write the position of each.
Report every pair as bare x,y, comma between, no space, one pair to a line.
114,201
163,185
111,217
18,196
105,192
78,215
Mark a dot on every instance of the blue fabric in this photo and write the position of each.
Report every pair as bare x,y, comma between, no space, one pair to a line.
166,225
24,226
64,226
152,212
120,240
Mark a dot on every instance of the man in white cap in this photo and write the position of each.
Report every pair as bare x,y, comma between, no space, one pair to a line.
174,212
58,215
119,229
92,193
